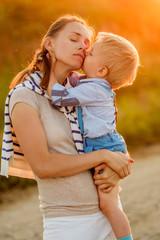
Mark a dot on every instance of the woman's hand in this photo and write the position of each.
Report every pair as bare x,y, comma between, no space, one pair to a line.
119,162
106,180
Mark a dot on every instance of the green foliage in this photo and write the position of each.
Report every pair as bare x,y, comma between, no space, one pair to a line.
138,117
12,182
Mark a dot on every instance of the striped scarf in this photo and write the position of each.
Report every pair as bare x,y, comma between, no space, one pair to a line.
10,148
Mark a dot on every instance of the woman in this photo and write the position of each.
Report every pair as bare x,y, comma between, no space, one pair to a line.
68,196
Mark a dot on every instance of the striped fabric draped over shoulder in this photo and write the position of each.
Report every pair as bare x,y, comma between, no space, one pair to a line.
13,161
70,113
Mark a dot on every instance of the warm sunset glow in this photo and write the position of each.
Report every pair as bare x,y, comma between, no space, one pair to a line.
23,24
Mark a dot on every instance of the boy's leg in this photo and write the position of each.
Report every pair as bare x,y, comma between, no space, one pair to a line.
118,219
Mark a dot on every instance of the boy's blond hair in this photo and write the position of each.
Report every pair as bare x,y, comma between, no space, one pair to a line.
120,57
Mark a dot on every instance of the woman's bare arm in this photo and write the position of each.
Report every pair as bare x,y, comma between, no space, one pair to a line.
32,139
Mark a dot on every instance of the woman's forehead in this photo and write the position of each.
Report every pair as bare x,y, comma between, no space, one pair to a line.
78,29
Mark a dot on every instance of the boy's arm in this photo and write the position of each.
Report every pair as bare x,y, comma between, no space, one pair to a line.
82,94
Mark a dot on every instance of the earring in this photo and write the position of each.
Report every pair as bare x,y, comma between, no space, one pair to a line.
39,58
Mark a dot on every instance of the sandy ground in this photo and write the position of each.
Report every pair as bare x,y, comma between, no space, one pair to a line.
20,219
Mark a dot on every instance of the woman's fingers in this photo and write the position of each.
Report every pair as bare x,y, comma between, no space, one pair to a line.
129,169
118,163
125,171
121,173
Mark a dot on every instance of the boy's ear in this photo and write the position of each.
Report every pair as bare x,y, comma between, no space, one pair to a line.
48,43
102,72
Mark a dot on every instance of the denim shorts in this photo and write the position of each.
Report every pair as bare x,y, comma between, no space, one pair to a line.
113,142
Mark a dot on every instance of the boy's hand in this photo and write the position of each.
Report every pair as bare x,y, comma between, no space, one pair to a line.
107,180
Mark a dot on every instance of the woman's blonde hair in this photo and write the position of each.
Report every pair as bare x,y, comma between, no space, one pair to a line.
120,57
40,54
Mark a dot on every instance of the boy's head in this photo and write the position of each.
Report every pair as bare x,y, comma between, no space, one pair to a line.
114,58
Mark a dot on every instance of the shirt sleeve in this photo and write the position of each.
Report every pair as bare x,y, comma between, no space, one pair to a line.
23,94
81,95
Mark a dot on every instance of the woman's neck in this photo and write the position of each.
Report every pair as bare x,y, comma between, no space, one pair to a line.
61,72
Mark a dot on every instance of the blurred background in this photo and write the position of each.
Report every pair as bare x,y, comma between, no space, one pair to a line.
23,24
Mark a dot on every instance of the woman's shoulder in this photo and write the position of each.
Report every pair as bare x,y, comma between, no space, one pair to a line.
25,95
20,91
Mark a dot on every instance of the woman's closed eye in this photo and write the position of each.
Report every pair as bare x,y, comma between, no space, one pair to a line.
74,39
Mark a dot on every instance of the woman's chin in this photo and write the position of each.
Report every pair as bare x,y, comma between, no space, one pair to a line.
77,66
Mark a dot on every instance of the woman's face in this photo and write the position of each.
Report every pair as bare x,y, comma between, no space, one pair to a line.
70,45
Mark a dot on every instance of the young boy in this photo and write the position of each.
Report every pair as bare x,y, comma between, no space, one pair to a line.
111,64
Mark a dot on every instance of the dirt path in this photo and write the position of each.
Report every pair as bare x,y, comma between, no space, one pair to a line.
141,195
21,219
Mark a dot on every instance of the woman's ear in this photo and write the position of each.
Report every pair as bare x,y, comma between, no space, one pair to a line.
102,72
48,44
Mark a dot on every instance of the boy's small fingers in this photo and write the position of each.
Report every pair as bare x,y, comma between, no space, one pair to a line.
103,186
96,171
99,182
97,177
96,182
107,190
98,168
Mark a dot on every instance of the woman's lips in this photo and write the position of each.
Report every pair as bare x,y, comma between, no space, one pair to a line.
79,55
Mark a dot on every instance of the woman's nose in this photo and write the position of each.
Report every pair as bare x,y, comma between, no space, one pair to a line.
83,46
